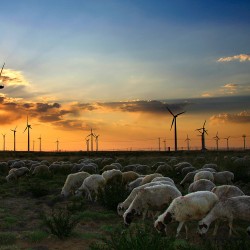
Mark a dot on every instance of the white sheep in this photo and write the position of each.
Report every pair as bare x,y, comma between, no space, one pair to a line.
73,181
204,175
211,165
16,173
129,176
188,178
112,174
41,169
154,198
232,208
134,184
224,177
164,178
148,178
91,186
201,185
123,206
227,191
193,206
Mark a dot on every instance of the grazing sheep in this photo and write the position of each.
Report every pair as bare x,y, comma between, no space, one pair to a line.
193,206
178,167
90,168
201,185
164,169
142,169
41,170
108,167
91,186
187,170
230,209
157,164
224,177
211,165
134,184
129,176
113,174
207,169
130,167
123,206
204,175
227,191
18,164
148,178
73,181
188,178
154,198
163,178
16,173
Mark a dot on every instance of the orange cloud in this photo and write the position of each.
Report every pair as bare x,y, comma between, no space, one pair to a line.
242,117
240,58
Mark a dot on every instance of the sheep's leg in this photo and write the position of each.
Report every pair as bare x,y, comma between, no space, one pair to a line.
144,214
216,226
186,229
230,224
179,228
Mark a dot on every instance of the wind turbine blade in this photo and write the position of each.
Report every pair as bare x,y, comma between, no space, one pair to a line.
204,123
181,113
172,123
170,111
25,129
2,70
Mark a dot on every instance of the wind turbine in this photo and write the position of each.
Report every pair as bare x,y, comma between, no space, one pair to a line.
164,142
28,126
92,135
203,131
14,130
227,138
187,140
244,140
1,86
175,129
57,145
159,142
4,141
40,138
217,141
96,141
87,143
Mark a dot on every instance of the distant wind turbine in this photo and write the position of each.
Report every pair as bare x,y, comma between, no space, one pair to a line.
187,140
164,142
217,141
227,138
87,143
40,138
175,127
203,131
4,141
1,86
28,126
14,130
57,145
96,141
92,135
244,141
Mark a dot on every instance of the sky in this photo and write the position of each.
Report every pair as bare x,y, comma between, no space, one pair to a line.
115,66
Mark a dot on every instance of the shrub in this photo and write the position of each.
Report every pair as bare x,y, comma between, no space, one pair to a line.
113,193
76,204
60,223
7,238
36,236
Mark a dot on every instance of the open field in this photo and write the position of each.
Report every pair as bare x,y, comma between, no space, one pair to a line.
23,204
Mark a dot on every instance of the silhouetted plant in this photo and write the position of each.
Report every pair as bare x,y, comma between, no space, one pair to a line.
60,223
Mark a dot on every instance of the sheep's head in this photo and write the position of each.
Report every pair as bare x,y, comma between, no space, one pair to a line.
202,228
168,218
120,209
159,226
128,217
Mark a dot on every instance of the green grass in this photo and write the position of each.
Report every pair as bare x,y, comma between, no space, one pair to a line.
10,247
7,238
92,215
9,221
36,236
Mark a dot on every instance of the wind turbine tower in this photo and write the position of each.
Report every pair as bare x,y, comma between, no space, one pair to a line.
96,141
4,141
175,127
57,145
40,144
217,141
164,142
14,131
244,141
87,143
188,140
227,138
91,138
203,131
28,126
1,86
159,140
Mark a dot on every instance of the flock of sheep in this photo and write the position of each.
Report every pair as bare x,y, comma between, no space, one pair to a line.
211,193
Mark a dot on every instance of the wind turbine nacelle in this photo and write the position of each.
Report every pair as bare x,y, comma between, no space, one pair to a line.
1,86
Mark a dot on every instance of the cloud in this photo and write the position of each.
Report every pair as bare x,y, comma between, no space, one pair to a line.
240,58
241,117
44,107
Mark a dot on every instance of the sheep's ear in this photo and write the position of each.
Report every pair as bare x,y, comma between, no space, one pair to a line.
203,226
167,218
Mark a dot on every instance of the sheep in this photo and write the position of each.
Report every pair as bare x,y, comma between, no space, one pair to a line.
73,181
123,206
187,170
178,167
211,165
207,169
91,186
90,168
164,169
130,167
163,178
157,164
108,167
41,170
227,191
248,230
18,164
148,178
129,176
188,178
201,185
142,169
16,173
134,184
150,198
193,206
224,177
113,174
204,175
229,209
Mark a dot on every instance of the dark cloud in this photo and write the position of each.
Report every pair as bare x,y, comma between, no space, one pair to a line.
28,105
49,118
72,125
44,107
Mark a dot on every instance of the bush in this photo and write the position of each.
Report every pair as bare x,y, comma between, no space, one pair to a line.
113,193
60,223
7,238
